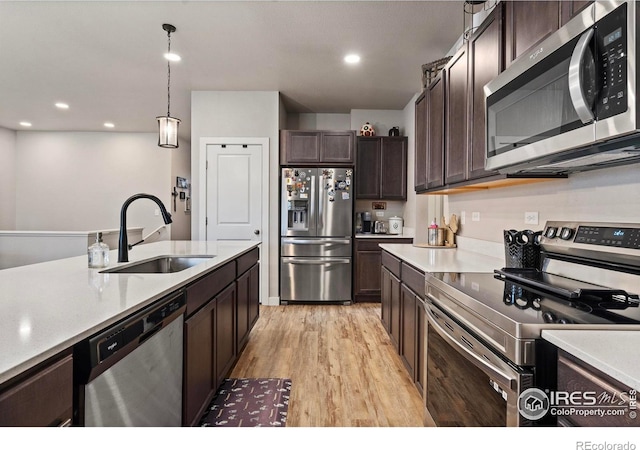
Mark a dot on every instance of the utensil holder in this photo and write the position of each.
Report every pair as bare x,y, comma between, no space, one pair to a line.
522,249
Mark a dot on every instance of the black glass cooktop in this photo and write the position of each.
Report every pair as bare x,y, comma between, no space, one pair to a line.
535,305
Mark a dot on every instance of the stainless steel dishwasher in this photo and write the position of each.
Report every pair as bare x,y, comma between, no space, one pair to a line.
131,373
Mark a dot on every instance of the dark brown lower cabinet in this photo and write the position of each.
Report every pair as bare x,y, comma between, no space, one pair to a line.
248,304
368,260
215,334
576,376
199,363
43,397
409,330
396,311
210,352
225,333
403,314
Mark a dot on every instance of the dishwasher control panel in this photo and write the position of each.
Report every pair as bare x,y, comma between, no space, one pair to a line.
136,328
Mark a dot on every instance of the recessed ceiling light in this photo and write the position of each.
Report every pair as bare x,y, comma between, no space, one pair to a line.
352,59
62,105
109,125
25,124
172,56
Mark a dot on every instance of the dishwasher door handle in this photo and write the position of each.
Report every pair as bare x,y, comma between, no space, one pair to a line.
149,334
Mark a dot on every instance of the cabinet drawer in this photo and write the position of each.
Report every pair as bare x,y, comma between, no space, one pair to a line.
209,286
44,399
392,263
246,261
413,278
576,376
368,245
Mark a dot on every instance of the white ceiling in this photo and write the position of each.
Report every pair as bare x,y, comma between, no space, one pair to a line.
104,58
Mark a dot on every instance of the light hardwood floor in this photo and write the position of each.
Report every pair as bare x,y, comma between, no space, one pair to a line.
344,369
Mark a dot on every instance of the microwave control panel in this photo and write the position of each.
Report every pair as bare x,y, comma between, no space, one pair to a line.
611,32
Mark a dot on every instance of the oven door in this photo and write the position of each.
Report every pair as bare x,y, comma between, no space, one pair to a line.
467,384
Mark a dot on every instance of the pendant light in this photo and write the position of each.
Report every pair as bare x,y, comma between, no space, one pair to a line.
167,125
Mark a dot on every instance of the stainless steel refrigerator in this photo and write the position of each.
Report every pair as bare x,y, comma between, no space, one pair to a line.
316,213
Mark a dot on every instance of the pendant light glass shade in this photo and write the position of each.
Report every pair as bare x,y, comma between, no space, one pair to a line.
168,131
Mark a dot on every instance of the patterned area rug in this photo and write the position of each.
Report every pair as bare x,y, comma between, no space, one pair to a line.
249,402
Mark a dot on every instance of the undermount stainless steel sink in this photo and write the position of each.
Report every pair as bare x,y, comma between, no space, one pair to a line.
161,264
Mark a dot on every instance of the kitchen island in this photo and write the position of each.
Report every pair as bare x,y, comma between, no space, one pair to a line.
48,307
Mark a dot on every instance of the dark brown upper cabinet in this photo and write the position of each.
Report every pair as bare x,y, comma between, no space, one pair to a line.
420,159
381,168
317,147
456,118
450,113
435,132
485,63
527,24
569,8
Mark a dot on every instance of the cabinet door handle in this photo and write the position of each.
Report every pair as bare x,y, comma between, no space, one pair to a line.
65,423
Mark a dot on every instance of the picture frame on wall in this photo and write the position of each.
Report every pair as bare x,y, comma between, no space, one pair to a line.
181,183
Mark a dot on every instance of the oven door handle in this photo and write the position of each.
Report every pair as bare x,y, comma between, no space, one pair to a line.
494,372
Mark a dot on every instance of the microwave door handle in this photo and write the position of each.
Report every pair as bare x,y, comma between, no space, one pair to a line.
575,78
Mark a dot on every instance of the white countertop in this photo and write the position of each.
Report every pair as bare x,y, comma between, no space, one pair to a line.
612,352
382,236
444,259
50,306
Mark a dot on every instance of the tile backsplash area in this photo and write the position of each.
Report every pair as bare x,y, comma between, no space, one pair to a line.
393,208
605,195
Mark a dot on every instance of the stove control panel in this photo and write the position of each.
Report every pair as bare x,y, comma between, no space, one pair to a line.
609,236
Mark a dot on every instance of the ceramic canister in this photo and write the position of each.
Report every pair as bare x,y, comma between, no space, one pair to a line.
395,225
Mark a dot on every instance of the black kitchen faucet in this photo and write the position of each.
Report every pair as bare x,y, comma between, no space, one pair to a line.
123,243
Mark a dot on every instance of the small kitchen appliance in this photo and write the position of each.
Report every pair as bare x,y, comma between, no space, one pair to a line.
366,222
395,225
570,103
486,328
380,227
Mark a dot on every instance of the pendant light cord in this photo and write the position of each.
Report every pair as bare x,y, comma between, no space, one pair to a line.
169,75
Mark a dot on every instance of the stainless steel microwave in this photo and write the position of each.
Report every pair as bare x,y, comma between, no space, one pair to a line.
569,104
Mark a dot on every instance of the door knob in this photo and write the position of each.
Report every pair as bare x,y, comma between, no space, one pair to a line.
256,231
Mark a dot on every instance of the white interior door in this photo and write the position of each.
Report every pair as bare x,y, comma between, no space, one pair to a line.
234,192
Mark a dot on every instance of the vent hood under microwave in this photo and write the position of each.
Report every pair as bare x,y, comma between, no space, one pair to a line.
569,105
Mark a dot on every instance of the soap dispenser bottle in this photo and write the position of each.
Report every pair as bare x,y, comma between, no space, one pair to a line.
98,253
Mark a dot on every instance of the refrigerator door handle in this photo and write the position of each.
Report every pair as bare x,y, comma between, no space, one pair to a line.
298,241
320,199
312,207
311,261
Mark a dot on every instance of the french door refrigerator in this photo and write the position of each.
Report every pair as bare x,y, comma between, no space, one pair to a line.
316,213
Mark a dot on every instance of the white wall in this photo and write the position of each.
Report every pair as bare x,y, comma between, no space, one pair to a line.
75,181
381,119
239,114
604,195
180,167
309,121
7,179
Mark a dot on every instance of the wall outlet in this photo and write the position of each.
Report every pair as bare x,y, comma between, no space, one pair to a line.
379,213
475,216
463,217
531,218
